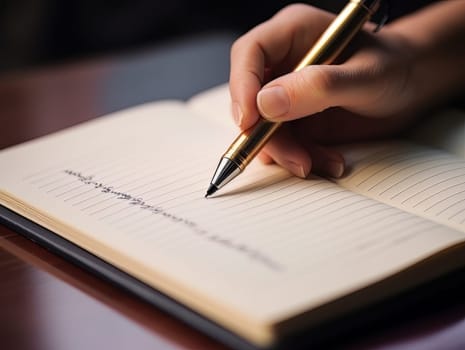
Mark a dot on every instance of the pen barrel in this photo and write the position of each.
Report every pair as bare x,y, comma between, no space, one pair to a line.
246,146
336,37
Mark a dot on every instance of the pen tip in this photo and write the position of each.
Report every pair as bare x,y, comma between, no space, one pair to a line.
211,189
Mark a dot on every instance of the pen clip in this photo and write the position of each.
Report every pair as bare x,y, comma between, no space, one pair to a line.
386,9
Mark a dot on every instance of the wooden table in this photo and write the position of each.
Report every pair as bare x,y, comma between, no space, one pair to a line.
48,303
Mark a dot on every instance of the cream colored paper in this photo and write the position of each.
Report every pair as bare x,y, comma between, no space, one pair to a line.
129,188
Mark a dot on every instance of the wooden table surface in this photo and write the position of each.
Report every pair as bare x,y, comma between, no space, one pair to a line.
48,303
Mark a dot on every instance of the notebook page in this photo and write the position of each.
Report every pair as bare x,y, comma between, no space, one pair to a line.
424,181
215,105
429,183
130,187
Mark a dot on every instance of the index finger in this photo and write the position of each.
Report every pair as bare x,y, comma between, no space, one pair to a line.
275,45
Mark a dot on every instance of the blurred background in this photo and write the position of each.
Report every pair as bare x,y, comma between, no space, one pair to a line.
38,32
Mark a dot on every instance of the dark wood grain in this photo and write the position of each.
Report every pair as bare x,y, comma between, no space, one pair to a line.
48,303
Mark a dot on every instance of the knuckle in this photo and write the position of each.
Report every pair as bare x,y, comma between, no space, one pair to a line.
311,90
293,9
297,89
321,81
237,45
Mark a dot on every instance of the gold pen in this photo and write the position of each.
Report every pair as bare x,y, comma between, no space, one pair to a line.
327,47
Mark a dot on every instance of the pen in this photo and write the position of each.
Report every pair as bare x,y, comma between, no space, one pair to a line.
247,145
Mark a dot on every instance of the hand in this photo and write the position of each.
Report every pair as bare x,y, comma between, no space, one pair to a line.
370,93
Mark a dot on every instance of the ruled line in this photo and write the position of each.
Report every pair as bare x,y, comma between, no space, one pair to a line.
228,243
426,179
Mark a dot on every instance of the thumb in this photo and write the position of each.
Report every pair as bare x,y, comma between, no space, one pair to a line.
312,90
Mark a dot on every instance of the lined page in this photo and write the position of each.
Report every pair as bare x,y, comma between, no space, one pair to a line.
130,188
420,180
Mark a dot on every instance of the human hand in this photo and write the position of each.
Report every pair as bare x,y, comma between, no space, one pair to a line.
368,94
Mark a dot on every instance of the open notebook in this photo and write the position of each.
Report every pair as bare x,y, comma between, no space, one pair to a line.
268,256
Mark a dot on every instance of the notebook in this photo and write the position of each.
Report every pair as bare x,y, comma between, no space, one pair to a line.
267,257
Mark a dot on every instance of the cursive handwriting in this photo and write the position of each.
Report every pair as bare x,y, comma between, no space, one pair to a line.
228,243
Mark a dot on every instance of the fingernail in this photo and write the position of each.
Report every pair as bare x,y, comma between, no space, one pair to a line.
335,168
273,102
296,169
237,113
